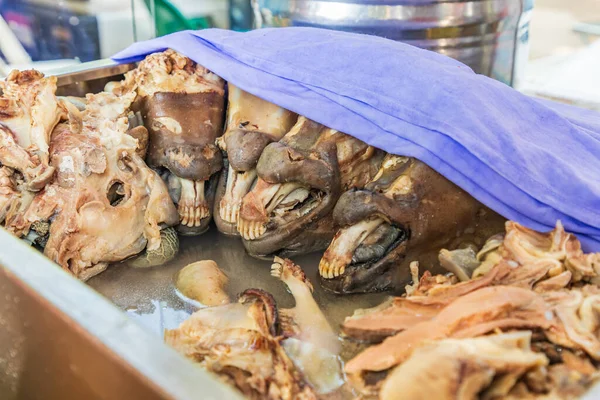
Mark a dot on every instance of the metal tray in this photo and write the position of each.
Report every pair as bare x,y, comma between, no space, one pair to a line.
85,347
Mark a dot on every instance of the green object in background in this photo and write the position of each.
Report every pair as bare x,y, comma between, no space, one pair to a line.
168,18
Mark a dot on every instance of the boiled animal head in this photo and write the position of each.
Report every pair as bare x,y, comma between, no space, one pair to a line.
29,111
406,213
182,104
300,179
252,123
105,204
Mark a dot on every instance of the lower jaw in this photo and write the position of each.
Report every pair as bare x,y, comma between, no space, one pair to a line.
185,230
386,274
226,228
314,236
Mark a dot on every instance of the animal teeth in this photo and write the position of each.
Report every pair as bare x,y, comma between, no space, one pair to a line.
330,270
339,253
238,185
251,230
229,212
192,216
277,268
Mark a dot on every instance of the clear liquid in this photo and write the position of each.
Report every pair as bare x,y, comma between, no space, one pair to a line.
149,296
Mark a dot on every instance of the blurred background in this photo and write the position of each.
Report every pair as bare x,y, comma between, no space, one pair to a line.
546,48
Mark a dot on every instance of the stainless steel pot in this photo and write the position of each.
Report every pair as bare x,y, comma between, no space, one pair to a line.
490,36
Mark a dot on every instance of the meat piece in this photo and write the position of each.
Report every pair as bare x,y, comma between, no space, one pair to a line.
460,262
252,123
427,299
311,343
105,204
29,111
471,315
577,312
237,342
8,191
183,105
300,178
463,368
204,283
415,205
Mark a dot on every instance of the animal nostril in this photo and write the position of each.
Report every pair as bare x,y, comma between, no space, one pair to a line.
116,193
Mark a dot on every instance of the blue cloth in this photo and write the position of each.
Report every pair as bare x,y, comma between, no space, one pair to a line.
533,161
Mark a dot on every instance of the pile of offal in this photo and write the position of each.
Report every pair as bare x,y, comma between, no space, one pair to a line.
518,319
119,174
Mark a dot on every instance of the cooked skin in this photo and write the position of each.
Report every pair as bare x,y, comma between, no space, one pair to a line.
477,313
8,191
310,341
299,181
182,104
541,292
204,283
101,187
462,369
406,213
252,123
431,293
29,111
577,312
237,342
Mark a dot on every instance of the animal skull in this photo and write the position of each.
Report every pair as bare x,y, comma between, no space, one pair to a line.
105,204
300,179
406,213
182,105
252,123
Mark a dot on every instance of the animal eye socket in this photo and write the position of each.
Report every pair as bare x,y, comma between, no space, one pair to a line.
116,193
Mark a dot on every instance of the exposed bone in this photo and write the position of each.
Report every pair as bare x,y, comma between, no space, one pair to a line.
182,105
315,346
238,185
377,243
105,204
253,211
204,283
322,162
282,194
340,251
192,205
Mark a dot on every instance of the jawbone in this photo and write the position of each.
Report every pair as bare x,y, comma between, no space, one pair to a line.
252,123
299,181
182,105
406,213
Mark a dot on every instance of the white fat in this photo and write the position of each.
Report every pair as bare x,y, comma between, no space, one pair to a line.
66,164
169,123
